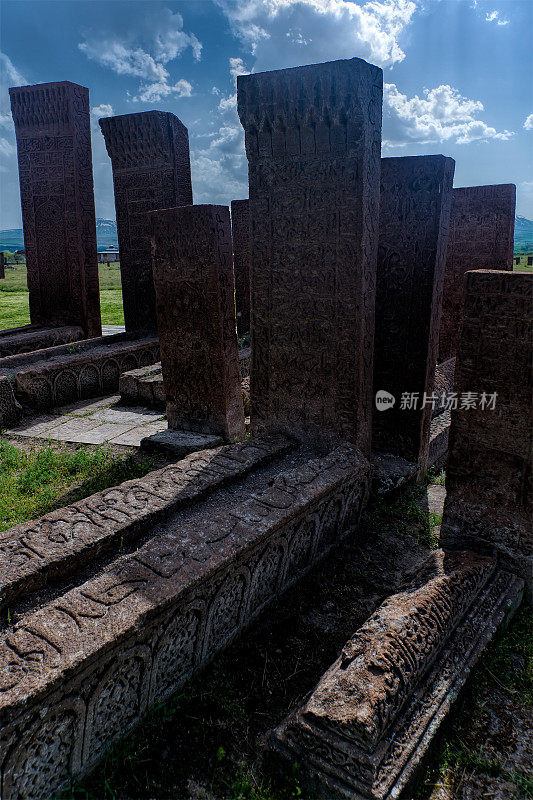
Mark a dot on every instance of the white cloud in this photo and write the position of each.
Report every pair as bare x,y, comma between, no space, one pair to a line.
10,74
146,55
103,110
442,114
290,32
528,124
494,16
153,92
7,148
236,67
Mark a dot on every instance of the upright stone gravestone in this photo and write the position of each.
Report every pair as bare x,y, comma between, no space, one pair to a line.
313,145
193,276
481,237
2,265
488,476
149,152
414,216
52,126
240,230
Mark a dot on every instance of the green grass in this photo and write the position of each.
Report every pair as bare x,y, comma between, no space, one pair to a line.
14,298
37,481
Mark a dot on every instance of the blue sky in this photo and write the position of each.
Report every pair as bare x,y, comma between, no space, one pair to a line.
457,73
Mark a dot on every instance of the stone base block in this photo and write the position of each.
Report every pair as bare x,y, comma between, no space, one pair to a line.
16,341
62,378
10,410
89,657
389,472
145,387
178,444
370,720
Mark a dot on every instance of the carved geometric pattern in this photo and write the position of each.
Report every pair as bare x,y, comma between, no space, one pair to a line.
149,152
481,237
415,201
52,125
312,140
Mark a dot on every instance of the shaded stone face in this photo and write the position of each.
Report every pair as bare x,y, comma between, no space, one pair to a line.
240,231
481,237
414,216
149,152
313,144
52,126
193,275
488,476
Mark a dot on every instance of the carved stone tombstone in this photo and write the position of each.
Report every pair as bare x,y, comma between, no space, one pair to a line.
313,146
193,276
52,126
149,152
414,216
481,237
240,231
2,266
488,476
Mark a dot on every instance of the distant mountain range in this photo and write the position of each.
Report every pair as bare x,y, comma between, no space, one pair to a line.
106,236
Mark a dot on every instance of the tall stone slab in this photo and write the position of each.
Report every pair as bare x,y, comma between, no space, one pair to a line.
415,202
52,125
240,231
313,145
149,152
193,276
488,477
481,237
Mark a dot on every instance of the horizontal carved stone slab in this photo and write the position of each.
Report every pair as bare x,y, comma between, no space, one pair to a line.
81,374
29,338
55,545
82,670
372,716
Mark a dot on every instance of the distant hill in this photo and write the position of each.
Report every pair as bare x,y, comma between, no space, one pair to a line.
106,236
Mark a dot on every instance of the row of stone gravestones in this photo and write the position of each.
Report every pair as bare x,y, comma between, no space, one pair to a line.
189,555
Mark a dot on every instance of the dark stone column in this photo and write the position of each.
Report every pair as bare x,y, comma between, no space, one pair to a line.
149,152
313,146
52,125
240,230
488,477
193,276
481,237
414,216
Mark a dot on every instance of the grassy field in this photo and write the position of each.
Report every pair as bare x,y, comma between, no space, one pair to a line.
37,480
14,305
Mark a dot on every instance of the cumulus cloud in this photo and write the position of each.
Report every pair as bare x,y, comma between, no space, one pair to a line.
288,32
103,110
528,124
494,16
10,75
151,93
146,55
440,115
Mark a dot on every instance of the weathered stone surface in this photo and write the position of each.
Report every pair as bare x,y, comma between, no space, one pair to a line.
145,385
149,152
240,234
413,229
63,378
52,125
83,668
372,716
313,143
193,276
178,444
2,266
63,540
481,237
29,338
389,472
488,477
443,385
10,410
438,440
